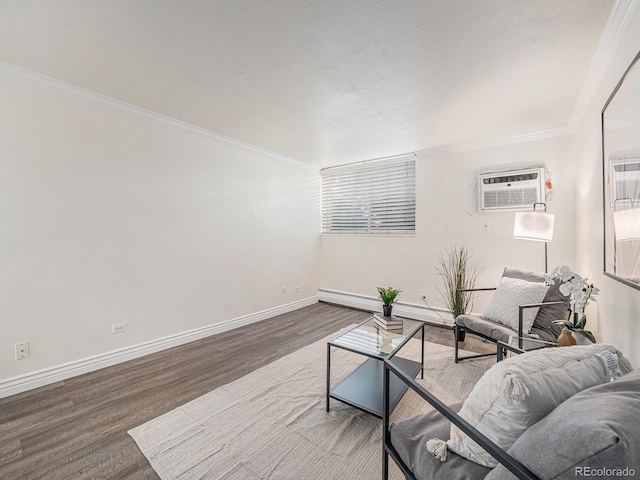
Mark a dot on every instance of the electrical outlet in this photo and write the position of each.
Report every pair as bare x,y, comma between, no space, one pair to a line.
485,226
118,327
297,289
22,350
284,289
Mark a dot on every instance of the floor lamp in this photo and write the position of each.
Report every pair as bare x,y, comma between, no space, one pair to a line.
536,225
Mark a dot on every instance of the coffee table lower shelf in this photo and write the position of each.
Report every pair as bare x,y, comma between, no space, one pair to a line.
362,389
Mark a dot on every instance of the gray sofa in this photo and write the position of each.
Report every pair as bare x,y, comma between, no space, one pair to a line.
595,433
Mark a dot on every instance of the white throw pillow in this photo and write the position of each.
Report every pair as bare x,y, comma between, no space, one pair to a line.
518,392
510,294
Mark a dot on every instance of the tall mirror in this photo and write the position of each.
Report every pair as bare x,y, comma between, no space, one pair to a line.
621,163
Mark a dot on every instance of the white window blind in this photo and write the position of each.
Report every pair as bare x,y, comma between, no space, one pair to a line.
373,197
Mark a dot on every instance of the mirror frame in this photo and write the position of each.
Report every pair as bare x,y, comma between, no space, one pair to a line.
605,177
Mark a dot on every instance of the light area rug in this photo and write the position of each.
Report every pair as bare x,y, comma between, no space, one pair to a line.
273,424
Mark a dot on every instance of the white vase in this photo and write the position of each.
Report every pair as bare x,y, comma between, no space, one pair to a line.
581,339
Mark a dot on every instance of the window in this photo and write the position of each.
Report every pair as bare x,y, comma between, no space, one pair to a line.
377,197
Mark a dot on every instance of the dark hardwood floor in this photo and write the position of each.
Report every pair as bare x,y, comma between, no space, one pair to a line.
77,429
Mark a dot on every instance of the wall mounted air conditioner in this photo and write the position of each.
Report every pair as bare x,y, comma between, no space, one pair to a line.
624,178
509,191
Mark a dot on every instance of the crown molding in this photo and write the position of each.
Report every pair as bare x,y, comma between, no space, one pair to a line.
625,122
50,84
617,23
495,142
60,87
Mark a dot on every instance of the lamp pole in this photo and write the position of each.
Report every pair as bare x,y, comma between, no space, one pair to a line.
544,206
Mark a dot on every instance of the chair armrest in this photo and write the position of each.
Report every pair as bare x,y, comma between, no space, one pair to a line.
521,309
462,290
513,465
542,305
474,289
502,347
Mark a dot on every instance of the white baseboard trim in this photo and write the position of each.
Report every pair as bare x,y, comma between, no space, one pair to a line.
47,376
373,304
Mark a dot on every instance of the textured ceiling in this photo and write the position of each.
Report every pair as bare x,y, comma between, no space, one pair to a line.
322,81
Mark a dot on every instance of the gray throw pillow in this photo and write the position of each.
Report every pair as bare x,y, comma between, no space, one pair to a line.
546,315
596,429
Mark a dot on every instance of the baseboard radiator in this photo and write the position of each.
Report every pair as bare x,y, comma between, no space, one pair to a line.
400,309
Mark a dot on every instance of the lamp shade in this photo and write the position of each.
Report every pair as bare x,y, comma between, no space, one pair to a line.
536,226
627,224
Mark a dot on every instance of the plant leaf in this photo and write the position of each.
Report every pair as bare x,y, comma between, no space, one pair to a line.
582,322
586,333
567,324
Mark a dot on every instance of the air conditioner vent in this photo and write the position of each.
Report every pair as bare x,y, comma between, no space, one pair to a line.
510,178
625,173
627,189
516,190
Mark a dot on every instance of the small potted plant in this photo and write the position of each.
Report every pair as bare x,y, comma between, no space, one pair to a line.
388,296
581,292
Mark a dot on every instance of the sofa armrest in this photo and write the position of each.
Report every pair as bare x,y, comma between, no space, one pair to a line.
513,465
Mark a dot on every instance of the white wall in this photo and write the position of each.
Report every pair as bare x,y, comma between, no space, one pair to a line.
447,215
109,219
616,315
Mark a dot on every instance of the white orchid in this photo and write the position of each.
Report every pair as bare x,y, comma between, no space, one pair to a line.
563,274
580,291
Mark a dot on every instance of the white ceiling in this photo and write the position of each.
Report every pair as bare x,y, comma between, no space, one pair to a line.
322,81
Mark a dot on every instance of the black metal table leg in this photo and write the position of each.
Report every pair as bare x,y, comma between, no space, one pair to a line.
328,373
422,358
385,424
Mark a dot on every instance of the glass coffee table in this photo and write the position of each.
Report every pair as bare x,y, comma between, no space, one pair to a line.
363,388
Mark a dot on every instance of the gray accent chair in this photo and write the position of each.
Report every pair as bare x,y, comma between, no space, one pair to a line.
598,428
554,306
